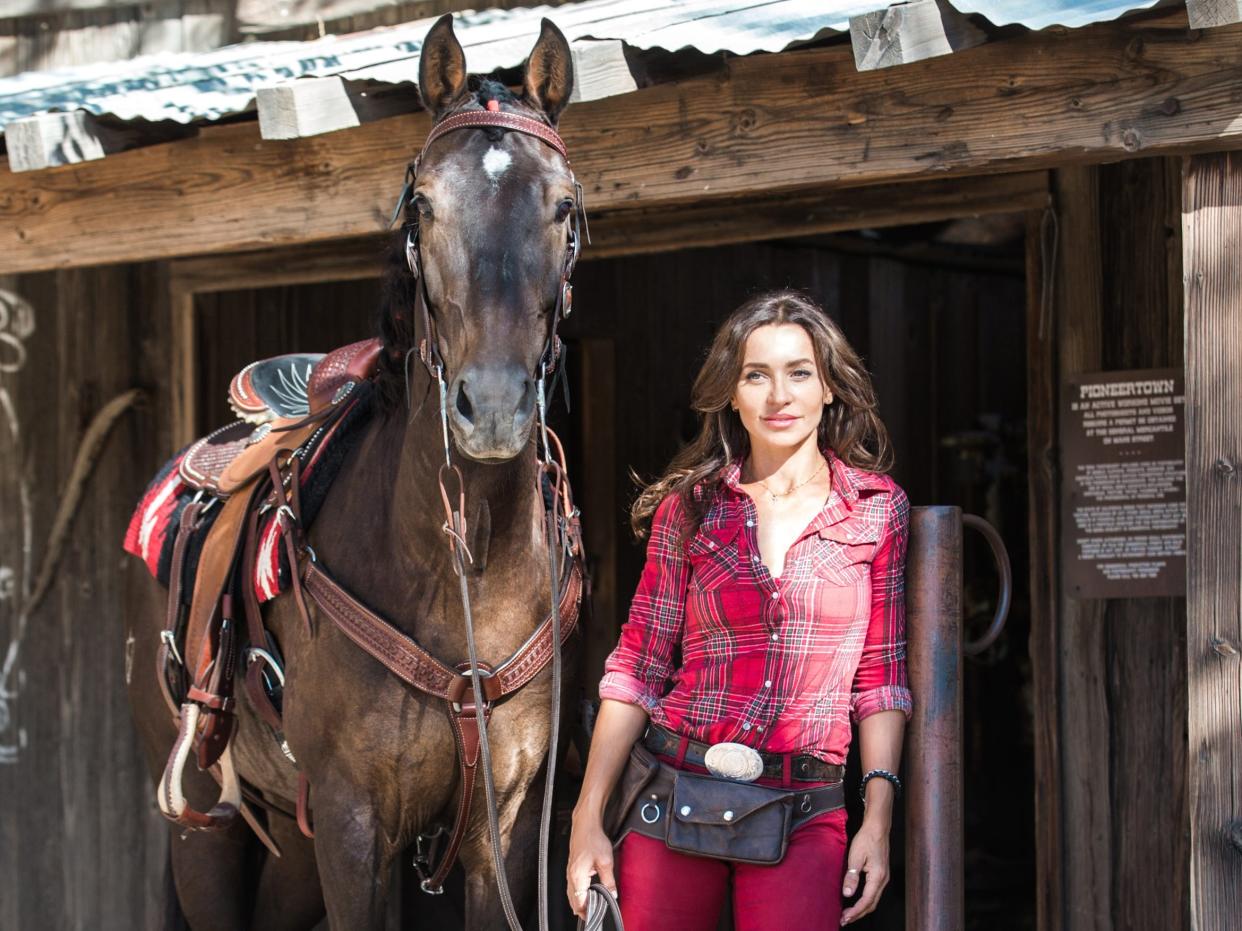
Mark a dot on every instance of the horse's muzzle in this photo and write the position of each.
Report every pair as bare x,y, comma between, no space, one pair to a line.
491,411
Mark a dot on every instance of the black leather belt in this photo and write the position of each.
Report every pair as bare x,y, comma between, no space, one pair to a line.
803,766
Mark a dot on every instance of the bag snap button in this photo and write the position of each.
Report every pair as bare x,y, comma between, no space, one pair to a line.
728,816
685,810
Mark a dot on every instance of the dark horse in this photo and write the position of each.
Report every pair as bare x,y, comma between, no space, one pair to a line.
494,210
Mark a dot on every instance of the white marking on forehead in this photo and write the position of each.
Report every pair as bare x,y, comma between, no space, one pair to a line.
495,163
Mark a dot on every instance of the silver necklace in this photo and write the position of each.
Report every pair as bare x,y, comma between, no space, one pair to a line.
785,494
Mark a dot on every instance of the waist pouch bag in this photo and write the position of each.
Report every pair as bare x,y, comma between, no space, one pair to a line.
642,768
707,816
739,821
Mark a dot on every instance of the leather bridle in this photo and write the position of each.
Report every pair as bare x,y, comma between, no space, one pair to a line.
428,345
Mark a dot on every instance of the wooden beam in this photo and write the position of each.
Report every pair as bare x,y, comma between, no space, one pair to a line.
910,31
634,233
804,213
772,124
52,139
312,106
1205,14
1211,240
600,70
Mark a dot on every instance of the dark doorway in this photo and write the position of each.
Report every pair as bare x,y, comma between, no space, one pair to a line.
937,311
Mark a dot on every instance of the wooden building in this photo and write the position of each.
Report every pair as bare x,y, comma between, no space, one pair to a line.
990,208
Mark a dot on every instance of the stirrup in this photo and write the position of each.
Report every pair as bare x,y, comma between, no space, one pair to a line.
171,797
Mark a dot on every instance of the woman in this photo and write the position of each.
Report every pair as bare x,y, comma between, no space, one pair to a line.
775,579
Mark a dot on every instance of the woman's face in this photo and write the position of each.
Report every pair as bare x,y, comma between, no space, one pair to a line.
781,394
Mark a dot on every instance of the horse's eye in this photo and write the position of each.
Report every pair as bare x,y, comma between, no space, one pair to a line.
562,209
422,206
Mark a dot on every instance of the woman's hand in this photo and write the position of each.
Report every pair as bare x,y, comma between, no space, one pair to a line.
590,855
868,857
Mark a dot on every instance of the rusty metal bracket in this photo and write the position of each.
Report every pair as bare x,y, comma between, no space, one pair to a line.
1005,595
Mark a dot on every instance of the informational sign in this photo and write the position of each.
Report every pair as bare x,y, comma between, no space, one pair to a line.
1123,484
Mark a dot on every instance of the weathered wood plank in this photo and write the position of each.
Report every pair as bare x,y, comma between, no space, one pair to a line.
774,123
910,31
1205,14
600,70
1083,701
1141,326
52,139
1211,240
312,106
1042,405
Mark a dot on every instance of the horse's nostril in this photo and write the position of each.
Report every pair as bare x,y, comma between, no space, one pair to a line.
464,407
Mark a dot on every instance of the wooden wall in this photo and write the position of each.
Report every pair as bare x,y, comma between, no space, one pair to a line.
81,843
1111,760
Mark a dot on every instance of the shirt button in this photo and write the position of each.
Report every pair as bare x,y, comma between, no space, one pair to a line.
776,636
776,596
750,523
754,559
759,729
745,725
768,684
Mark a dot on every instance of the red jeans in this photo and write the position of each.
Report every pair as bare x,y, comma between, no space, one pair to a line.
659,890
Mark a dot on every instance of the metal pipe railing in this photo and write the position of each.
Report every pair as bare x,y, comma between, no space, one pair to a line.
935,647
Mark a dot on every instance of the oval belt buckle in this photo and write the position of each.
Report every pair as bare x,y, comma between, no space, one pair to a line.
733,761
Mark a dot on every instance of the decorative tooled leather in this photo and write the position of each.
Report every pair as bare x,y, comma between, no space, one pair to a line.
357,361
206,460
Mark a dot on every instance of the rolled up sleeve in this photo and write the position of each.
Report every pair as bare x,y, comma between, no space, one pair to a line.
880,682
638,669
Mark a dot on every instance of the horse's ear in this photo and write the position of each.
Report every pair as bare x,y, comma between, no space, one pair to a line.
550,72
441,67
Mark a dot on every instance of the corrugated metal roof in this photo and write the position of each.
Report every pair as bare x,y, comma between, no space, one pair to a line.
186,87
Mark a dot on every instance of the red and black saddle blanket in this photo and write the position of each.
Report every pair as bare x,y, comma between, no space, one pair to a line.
201,470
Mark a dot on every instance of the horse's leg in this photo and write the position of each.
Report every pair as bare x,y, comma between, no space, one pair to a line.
208,867
354,856
289,897
209,871
519,824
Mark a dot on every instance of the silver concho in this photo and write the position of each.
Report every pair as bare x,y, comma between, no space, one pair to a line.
733,761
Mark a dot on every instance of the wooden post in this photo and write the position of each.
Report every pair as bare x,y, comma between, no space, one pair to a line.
1109,688
1212,239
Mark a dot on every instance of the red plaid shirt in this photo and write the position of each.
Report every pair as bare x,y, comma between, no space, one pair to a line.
778,664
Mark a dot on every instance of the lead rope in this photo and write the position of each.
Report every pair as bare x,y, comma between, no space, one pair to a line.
455,527
600,902
554,574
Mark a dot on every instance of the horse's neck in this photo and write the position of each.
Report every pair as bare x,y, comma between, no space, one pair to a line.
384,538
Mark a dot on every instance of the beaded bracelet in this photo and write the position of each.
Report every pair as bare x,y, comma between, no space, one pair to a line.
878,774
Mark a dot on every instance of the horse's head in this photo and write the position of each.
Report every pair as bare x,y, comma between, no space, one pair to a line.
494,211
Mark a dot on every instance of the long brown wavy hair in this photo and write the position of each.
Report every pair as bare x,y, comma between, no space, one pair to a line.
850,425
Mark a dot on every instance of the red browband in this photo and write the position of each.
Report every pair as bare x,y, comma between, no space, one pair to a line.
514,121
